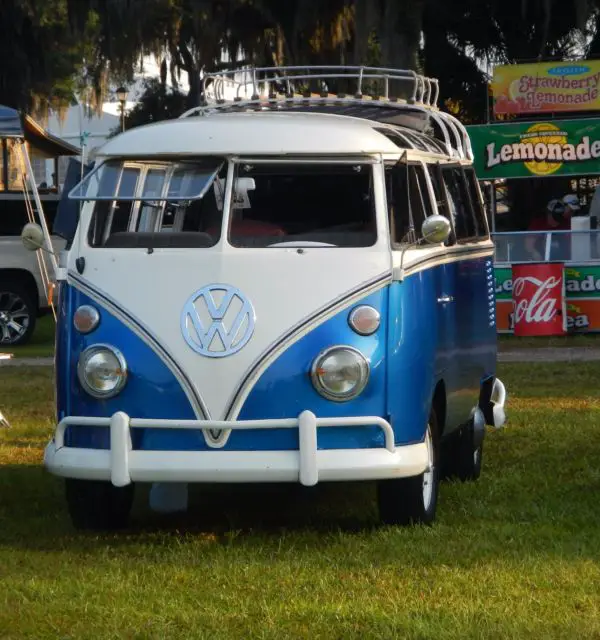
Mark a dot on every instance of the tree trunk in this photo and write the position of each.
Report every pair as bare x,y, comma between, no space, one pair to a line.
366,19
188,64
400,33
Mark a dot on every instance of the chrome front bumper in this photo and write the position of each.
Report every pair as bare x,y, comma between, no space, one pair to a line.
308,465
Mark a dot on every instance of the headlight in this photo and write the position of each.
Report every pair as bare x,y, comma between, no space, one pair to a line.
102,371
340,373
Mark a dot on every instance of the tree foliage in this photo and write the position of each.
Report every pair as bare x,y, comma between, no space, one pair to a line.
157,102
55,47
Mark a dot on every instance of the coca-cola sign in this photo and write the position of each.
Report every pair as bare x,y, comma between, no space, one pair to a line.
538,293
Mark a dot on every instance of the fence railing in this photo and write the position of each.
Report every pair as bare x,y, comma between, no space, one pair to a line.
547,246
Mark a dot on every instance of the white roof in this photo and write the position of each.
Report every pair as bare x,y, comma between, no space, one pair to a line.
260,133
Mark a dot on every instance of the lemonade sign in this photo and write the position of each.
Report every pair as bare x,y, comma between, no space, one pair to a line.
546,87
526,149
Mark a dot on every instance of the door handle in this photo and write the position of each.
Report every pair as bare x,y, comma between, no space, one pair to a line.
445,299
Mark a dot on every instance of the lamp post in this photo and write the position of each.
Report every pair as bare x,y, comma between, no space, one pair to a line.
122,96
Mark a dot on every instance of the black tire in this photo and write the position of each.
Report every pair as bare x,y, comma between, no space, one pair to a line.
98,505
468,458
404,501
17,307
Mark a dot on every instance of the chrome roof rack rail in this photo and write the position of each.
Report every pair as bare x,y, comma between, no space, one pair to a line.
278,88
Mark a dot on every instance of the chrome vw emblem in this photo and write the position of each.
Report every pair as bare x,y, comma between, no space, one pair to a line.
217,321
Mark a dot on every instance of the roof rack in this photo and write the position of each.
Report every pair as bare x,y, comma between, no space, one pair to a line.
278,88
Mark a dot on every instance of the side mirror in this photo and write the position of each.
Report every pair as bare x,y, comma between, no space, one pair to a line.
436,229
32,237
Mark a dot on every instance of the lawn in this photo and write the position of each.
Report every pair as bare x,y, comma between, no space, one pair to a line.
508,342
41,343
514,555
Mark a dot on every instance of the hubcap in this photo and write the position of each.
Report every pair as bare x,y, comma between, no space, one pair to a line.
429,475
14,317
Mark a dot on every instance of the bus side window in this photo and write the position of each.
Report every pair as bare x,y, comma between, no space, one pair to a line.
458,201
476,202
435,173
408,202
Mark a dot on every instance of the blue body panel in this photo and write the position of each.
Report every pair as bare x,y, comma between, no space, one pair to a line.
152,391
420,343
285,388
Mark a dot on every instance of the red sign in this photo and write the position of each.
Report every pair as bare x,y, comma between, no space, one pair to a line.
538,293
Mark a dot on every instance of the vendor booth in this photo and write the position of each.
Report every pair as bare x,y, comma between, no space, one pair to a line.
539,166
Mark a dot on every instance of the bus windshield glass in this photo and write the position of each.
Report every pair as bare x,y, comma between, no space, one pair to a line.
135,203
303,204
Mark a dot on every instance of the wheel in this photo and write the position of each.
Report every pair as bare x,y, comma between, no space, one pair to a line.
17,314
468,458
99,505
413,500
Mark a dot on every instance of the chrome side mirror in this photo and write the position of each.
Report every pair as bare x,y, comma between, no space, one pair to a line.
32,237
436,229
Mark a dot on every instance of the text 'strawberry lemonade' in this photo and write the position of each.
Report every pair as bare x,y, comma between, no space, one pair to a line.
538,299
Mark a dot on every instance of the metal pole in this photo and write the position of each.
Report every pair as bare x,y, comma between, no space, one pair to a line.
122,115
38,204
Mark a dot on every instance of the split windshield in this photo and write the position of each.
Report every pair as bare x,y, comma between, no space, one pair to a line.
180,204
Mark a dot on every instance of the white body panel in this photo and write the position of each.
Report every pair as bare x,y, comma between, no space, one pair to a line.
252,134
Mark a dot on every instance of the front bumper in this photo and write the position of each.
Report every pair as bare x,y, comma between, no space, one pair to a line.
308,465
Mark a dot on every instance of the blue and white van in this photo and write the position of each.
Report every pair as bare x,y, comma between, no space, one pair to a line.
291,286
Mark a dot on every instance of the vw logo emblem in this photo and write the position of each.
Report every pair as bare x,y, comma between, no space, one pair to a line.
217,321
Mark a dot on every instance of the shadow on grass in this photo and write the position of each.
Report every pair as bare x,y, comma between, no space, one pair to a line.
31,499
498,516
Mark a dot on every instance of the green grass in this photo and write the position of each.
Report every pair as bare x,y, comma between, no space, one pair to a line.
514,555
509,342
42,341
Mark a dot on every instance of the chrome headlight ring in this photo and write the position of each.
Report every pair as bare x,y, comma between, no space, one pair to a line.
102,371
340,373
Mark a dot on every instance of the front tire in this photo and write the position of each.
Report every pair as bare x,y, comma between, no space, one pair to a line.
405,501
98,505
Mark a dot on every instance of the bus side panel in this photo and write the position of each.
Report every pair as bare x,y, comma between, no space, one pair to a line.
475,310
413,350
473,344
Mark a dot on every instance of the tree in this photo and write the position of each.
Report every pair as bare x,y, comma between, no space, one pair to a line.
156,103
42,55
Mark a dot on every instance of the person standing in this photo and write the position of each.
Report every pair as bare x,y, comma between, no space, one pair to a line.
557,217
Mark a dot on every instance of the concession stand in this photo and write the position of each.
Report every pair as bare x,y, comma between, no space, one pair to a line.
541,150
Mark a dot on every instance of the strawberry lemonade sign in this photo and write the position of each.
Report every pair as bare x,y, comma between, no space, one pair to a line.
528,149
582,292
546,87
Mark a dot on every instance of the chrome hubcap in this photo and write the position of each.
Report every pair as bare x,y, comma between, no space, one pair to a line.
14,317
429,475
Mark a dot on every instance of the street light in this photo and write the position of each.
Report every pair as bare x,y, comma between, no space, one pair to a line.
122,96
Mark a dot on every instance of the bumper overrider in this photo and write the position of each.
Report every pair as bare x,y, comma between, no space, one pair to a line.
308,465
